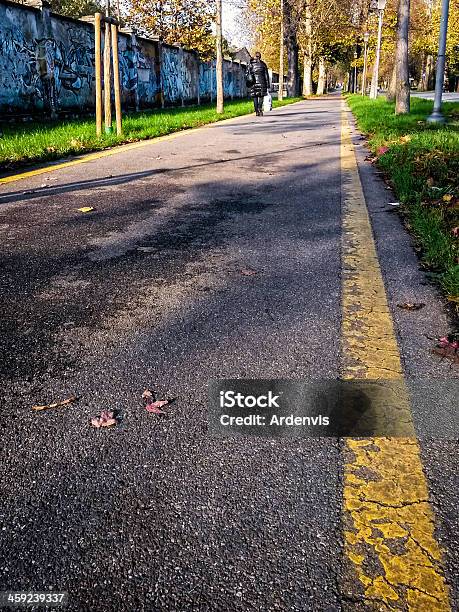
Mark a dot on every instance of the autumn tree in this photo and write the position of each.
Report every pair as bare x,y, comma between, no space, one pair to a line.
326,27
184,22
76,8
428,42
314,31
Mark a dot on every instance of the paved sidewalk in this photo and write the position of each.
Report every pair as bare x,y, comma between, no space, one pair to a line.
148,291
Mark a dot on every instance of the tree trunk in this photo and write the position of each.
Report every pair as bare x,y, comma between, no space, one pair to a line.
293,79
219,66
307,76
429,73
307,73
422,83
402,93
280,95
322,77
391,92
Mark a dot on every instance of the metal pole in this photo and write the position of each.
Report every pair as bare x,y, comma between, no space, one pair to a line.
280,95
364,76
437,116
375,79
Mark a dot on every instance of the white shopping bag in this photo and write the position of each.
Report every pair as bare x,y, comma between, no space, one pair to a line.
267,103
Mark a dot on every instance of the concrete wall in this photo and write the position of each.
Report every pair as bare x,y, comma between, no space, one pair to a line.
47,65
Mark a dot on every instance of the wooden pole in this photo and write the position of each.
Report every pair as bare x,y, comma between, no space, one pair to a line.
116,80
107,81
220,103
97,37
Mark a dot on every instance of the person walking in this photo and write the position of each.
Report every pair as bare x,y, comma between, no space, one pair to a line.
258,82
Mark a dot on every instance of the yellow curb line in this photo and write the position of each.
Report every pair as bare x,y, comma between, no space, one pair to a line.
392,559
52,167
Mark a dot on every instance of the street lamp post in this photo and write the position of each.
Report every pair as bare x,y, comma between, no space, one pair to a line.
380,5
437,115
366,38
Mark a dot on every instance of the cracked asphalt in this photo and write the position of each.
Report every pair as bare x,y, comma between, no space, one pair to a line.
146,291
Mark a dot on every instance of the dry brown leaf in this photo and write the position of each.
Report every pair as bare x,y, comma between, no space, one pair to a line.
106,419
411,306
155,407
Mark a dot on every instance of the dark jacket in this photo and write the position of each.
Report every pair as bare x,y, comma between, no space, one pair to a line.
257,78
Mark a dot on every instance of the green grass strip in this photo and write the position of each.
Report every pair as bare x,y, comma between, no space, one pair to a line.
44,141
421,162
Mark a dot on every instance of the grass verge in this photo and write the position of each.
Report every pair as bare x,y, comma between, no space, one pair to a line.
45,141
421,162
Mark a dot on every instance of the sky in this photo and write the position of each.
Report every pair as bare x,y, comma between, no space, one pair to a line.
232,19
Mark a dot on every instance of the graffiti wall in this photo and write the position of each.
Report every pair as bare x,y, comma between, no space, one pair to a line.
47,66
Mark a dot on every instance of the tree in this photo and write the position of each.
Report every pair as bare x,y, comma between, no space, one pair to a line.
402,86
185,22
325,27
76,8
220,93
292,19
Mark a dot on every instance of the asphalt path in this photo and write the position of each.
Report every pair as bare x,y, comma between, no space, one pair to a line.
430,95
150,290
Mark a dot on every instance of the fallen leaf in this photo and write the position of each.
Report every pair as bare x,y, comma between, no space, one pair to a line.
147,393
248,272
86,209
453,298
430,182
447,197
65,402
106,419
154,408
406,138
382,151
411,306
446,353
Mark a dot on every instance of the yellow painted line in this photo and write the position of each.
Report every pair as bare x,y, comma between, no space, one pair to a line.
392,559
52,167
